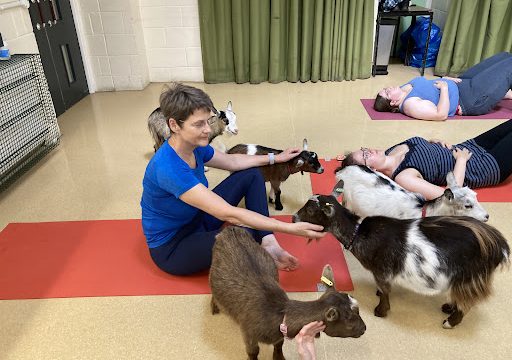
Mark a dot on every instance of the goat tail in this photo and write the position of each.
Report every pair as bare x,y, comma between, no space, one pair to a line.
477,286
158,127
469,292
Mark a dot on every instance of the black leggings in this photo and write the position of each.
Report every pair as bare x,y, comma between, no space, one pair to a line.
498,142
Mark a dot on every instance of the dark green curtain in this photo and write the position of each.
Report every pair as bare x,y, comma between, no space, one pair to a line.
286,40
474,30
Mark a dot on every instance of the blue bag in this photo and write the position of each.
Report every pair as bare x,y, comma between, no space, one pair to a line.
418,34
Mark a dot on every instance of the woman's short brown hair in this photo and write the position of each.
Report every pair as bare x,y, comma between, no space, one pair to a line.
179,101
347,161
384,105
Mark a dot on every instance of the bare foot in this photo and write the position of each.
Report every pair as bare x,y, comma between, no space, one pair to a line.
283,259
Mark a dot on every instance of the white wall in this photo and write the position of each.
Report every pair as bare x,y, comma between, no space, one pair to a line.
171,33
440,8
16,29
114,41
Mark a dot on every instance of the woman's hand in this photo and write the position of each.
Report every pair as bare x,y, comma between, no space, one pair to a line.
461,154
287,154
306,339
456,80
440,142
441,85
307,230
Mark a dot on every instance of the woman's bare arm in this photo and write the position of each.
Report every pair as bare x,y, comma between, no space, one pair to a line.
236,162
427,110
412,180
204,199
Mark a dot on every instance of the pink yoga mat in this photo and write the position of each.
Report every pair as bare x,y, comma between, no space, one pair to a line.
502,111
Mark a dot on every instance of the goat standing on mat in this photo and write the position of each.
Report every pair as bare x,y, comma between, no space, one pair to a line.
367,192
245,285
223,121
277,173
432,255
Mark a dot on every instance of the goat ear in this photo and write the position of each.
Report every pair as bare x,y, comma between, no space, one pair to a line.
300,162
338,189
332,314
230,106
328,277
448,194
305,144
450,180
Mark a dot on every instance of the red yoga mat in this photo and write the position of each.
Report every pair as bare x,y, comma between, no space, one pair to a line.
110,258
502,111
323,184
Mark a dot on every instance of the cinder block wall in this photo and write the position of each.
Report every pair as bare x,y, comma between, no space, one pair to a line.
171,33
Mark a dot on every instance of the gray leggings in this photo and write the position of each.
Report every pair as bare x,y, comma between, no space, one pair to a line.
485,84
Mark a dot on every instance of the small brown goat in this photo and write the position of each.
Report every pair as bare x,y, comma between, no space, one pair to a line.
277,173
245,285
439,254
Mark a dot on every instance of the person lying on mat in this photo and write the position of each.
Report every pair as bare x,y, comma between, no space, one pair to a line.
421,166
181,216
476,92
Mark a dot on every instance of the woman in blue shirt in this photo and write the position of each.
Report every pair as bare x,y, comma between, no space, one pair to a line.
475,92
181,216
421,165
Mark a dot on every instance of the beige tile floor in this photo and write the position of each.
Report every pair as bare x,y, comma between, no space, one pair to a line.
96,173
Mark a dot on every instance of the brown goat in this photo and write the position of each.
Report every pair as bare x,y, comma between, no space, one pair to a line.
245,285
439,254
277,173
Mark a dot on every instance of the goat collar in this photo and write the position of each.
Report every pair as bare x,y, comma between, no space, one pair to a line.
283,328
424,211
349,247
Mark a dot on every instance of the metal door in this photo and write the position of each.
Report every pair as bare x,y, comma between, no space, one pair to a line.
55,32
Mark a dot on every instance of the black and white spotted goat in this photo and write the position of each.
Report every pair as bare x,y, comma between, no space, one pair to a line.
225,121
277,173
440,254
370,193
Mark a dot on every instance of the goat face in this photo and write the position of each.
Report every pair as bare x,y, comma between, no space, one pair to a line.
341,316
319,209
307,161
461,201
231,126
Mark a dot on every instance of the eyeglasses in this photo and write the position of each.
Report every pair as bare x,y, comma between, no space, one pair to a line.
366,154
201,124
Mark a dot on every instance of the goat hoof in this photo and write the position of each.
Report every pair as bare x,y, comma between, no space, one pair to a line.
447,325
380,313
214,307
270,200
378,293
279,208
448,308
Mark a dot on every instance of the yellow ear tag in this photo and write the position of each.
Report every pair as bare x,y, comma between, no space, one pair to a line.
326,281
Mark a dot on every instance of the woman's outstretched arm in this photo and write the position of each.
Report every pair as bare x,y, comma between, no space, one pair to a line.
204,199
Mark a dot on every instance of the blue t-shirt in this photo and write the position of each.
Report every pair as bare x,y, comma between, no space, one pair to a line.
425,90
167,177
